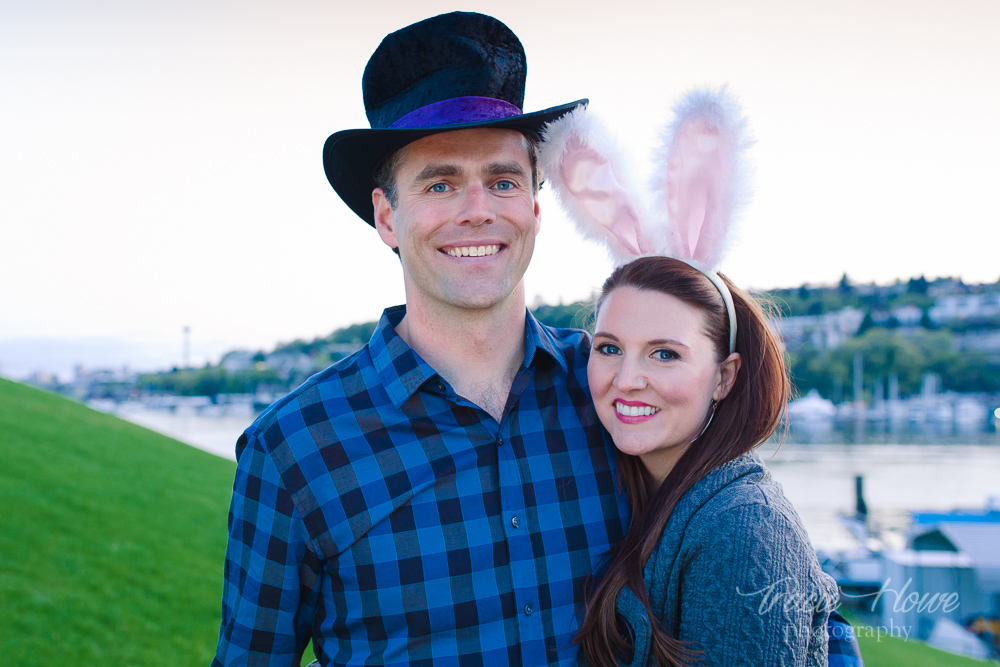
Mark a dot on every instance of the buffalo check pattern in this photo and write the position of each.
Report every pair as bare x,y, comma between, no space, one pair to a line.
843,643
395,522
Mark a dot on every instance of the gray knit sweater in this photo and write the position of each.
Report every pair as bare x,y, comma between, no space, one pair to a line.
735,575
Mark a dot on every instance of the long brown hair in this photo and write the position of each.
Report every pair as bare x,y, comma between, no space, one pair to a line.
744,419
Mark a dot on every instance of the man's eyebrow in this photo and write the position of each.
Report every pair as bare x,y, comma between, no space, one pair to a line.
433,171
501,168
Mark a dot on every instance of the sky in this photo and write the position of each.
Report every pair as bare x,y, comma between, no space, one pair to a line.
161,162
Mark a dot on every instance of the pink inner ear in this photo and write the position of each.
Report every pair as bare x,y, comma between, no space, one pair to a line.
697,179
590,178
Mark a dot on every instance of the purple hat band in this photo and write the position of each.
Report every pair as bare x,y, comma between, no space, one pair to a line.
457,110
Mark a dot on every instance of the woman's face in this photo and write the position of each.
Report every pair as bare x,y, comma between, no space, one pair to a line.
653,375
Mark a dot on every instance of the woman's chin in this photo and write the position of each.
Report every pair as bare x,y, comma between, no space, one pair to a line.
637,446
651,449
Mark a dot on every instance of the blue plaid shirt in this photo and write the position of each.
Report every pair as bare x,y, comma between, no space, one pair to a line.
395,522
843,649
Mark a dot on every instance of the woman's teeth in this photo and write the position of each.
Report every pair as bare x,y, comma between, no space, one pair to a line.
635,410
474,251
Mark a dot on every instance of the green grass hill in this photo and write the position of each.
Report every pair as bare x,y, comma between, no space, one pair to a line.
895,652
112,538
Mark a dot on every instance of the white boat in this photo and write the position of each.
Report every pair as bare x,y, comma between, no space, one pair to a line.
811,407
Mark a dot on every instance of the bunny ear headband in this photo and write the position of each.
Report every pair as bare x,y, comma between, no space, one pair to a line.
700,183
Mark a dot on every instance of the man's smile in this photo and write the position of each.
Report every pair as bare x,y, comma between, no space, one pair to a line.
482,250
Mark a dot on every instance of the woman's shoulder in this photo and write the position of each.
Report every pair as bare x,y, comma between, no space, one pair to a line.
736,515
754,485
740,500
738,483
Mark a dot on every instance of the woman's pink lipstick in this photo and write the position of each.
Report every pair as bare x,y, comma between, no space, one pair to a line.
630,419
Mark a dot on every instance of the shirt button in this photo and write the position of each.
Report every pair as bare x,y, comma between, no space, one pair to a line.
528,609
500,440
514,521
440,387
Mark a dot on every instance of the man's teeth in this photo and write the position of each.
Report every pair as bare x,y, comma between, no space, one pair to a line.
635,410
474,251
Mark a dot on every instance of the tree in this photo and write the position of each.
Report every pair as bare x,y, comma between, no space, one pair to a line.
575,315
866,323
917,285
886,352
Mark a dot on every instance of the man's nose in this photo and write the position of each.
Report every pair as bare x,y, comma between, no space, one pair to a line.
477,207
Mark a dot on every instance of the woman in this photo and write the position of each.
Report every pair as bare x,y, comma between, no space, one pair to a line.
688,379
716,567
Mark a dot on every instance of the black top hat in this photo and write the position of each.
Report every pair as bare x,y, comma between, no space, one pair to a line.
449,72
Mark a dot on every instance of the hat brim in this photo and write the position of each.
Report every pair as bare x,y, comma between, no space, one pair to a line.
350,157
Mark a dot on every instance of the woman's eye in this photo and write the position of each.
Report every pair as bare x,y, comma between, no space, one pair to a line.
664,355
439,187
608,349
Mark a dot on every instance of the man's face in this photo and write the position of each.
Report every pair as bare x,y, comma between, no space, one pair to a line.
465,218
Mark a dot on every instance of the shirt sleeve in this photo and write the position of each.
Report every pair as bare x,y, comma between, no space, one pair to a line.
750,594
843,643
272,573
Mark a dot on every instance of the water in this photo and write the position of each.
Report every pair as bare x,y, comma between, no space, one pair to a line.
216,434
923,471
898,479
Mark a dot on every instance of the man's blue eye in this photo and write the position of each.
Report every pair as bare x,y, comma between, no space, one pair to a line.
504,185
439,187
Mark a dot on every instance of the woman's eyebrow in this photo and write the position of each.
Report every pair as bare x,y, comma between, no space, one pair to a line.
666,341
655,341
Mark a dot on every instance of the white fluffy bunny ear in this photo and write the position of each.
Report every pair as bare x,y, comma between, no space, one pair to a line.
701,177
582,164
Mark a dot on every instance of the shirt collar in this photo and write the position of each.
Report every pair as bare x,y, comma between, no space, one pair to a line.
537,336
402,371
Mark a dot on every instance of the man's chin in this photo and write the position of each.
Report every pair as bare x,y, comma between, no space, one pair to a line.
489,297
480,302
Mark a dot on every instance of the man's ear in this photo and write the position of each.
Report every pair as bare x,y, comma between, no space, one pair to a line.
728,370
538,215
384,223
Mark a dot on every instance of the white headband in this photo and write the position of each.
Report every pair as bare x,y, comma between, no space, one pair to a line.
727,297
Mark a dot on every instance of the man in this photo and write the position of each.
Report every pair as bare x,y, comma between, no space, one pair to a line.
443,494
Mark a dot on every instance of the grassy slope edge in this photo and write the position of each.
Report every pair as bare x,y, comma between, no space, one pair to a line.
897,652
112,538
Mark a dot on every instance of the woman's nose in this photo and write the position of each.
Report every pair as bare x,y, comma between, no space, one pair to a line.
631,376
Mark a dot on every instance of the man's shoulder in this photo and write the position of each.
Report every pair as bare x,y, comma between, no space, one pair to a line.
318,440
325,395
